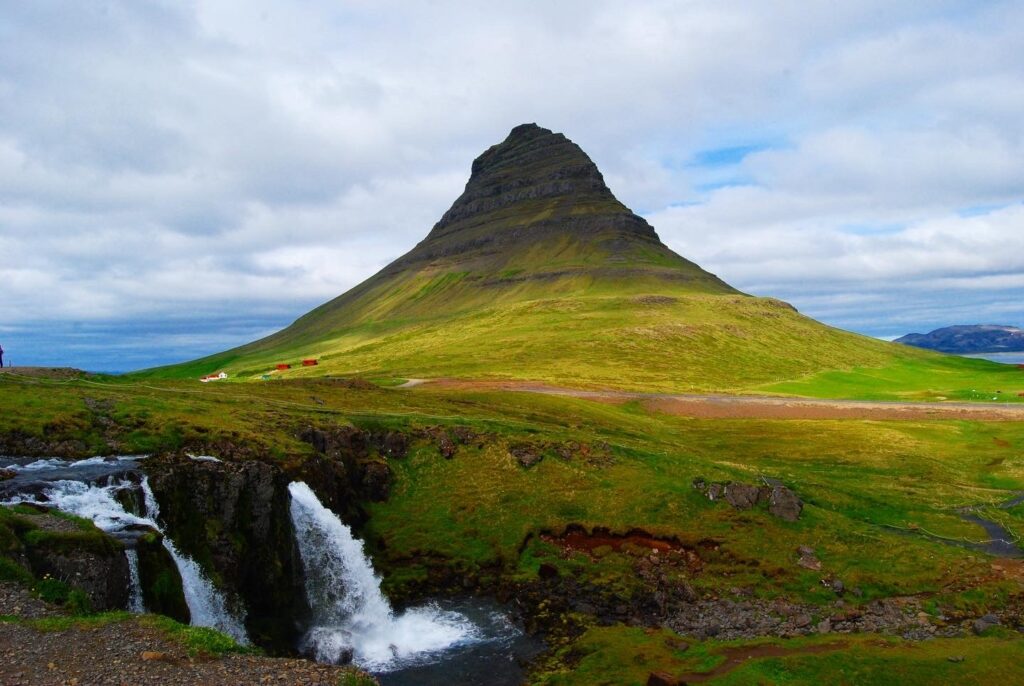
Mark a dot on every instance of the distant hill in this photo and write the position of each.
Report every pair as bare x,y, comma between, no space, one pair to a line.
969,339
537,272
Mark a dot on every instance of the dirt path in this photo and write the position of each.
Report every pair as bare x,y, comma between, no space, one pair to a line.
128,653
131,654
711,406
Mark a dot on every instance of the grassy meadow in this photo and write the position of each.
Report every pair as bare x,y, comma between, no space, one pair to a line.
879,496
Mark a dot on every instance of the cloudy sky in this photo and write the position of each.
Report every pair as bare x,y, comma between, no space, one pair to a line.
179,177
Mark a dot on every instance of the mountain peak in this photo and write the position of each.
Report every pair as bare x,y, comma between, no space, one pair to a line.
534,186
531,165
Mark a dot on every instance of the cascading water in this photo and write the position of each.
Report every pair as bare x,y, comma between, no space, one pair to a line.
95,498
94,502
351,617
135,602
207,606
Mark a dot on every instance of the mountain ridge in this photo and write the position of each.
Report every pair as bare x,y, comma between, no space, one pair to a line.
969,339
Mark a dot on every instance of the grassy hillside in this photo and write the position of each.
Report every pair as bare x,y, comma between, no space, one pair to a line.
537,272
612,336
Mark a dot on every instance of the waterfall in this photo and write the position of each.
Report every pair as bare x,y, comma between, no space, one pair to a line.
99,503
351,617
206,604
135,601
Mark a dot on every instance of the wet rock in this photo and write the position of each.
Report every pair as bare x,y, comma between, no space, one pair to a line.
162,590
90,561
6,474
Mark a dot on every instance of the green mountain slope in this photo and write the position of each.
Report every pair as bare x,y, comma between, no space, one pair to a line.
537,272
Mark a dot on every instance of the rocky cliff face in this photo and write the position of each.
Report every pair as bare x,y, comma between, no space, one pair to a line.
534,186
233,518
83,557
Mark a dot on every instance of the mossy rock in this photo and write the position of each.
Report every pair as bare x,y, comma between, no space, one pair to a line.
67,541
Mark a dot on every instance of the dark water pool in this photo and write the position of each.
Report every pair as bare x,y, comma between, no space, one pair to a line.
496,657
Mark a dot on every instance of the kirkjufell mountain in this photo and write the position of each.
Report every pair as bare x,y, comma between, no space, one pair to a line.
538,272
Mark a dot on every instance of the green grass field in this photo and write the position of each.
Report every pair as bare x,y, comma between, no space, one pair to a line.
626,657
877,497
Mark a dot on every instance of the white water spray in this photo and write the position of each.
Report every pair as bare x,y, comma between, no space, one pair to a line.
351,617
135,602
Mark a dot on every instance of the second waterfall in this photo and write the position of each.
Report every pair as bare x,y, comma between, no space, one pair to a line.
352,620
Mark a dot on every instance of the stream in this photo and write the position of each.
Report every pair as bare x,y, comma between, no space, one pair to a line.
450,642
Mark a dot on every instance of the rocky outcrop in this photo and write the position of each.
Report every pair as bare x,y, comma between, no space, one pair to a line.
781,501
233,518
74,552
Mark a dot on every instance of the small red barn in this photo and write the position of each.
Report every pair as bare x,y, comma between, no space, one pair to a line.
282,367
309,363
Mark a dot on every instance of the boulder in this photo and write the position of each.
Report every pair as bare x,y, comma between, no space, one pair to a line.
742,496
782,501
807,558
526,455
983,624
785,504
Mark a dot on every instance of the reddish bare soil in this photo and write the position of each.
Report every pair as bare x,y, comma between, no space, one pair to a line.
749,406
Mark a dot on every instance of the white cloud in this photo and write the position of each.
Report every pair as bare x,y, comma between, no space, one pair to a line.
160,159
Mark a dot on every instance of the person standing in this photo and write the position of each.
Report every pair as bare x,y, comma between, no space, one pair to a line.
1,357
